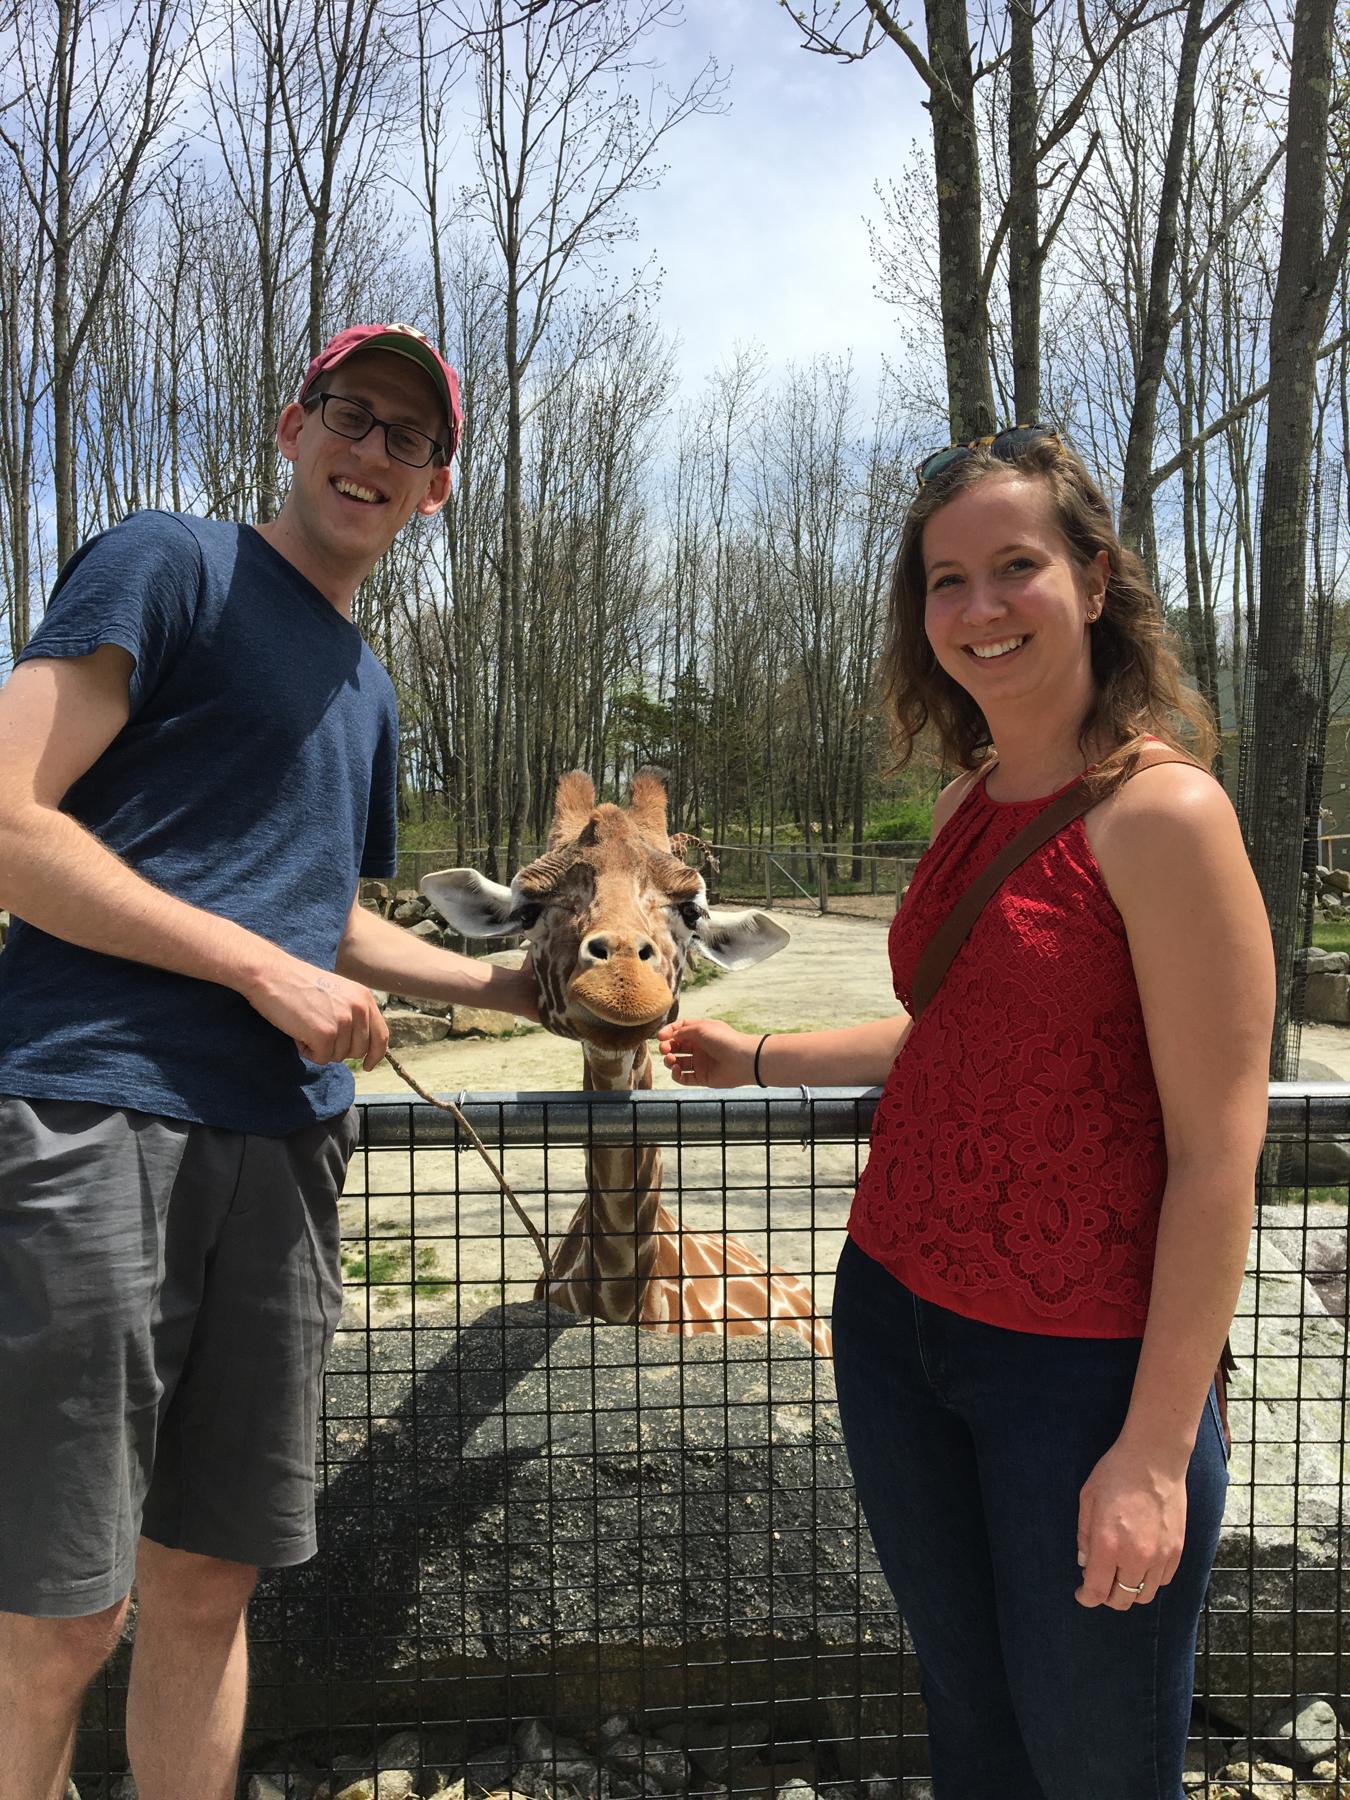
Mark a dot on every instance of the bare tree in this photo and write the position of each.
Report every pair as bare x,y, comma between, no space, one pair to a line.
94,87
563,139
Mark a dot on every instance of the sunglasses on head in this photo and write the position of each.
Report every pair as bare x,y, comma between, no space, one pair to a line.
1008,444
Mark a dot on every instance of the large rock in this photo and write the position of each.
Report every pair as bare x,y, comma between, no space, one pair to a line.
568,1520
407,1028
1310,1238
480,1021
1278,1620
1326,996
1303,1730
1310,1162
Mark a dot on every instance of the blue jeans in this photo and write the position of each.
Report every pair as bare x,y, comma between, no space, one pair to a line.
969,1446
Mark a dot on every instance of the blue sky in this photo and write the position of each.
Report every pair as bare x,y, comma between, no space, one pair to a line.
759,222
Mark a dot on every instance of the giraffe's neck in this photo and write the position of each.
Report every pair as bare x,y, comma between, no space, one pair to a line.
611,1250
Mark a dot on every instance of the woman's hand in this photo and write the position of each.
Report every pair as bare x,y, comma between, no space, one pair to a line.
1131,1528
707,1053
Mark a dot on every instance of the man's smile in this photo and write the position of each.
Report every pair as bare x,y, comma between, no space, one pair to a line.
353,490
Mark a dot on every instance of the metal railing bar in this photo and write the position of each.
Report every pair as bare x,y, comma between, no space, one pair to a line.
558,1119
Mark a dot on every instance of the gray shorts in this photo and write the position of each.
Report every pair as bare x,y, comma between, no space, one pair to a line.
168,1294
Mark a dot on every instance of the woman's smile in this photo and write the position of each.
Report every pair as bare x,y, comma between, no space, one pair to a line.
999,651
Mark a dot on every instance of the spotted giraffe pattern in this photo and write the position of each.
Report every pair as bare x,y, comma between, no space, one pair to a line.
611,914
625,1258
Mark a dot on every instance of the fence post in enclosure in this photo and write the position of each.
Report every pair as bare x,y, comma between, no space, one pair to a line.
824,882
874,860
768,878
899,881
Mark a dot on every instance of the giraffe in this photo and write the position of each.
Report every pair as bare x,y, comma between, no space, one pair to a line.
611,913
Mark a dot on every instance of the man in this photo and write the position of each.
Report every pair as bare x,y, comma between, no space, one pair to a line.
197,764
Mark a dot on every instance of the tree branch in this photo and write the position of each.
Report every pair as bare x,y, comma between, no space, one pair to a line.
1234,413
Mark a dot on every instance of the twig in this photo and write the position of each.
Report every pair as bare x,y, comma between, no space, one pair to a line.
478,1144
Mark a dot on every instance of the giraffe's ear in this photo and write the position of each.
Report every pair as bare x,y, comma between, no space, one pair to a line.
572,806
471,904
647,807
738,940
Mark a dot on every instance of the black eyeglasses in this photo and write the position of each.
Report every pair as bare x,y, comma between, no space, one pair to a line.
1008,444
349,419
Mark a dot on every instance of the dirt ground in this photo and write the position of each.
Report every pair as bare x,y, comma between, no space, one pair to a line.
834,972
463,1249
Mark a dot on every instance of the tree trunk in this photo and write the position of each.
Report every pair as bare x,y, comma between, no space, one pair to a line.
63,373
956,160
1024,245
515,562
1280,814
1157,333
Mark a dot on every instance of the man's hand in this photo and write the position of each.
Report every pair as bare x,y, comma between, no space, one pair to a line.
1131,1528
329,1018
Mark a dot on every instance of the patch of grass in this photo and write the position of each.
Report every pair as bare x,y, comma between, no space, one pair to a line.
1331,934
739,1021
376,1264
699,972
905,821
1297,1196
387,1269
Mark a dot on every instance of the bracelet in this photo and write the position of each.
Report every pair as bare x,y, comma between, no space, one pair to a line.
759,1079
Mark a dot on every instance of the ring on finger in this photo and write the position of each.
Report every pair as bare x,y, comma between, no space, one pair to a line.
1129,1586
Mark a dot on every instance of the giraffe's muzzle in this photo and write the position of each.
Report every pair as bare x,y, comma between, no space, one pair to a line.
621,995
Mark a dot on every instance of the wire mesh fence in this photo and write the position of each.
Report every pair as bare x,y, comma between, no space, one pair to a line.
563,1558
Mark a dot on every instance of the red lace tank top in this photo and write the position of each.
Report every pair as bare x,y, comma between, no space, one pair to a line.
1017,1161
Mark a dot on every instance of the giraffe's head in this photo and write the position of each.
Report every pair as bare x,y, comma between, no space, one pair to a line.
610,913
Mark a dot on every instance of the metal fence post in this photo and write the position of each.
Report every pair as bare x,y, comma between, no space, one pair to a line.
768,878
824,885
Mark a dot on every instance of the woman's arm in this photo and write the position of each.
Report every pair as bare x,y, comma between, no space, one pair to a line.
1173,860
707,1053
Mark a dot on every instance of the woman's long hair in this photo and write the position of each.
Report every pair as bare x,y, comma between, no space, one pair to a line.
1139,688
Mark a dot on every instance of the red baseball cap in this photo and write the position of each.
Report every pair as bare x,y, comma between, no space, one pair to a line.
401,340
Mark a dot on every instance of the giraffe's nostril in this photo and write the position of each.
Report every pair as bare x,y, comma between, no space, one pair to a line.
647,952
597,947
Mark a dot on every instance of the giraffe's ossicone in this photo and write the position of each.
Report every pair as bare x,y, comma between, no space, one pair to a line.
611,915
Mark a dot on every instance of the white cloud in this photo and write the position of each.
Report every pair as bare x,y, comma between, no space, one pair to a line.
759,222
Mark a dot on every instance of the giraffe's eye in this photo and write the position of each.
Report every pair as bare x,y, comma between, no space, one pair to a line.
526,915
691,913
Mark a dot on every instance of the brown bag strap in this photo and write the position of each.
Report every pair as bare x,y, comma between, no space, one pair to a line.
939,953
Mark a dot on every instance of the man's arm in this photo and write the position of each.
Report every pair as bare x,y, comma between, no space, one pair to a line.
57,717
381,954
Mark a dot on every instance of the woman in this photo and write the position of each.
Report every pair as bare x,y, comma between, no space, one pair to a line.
1047,1243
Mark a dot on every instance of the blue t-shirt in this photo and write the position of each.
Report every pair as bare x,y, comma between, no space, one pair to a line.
255,778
